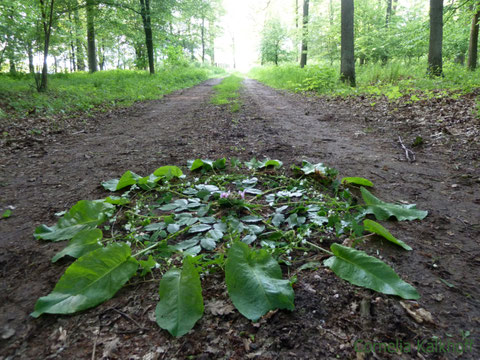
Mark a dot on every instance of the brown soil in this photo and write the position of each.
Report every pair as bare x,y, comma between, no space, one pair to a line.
43,175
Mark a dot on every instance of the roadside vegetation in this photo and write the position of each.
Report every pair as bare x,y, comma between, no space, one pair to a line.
69,93
393,80
227,92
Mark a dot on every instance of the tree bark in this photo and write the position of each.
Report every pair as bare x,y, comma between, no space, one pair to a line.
47,22
203,39
347,70
92,52
31,67
303,58
473,44
147,27
435,61
389,13
78,41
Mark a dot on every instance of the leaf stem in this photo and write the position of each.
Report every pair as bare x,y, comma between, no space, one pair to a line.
319,248
151,247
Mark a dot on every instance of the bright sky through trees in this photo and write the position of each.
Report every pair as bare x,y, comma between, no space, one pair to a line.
244,21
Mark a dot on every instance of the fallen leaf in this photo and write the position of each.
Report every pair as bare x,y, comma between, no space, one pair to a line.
219,307
420,315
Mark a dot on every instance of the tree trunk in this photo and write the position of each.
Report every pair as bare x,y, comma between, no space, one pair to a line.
347,70
31,68
42,85
203,39
78,41
147,27
296,28
92,52
303,58
389,13
101,56
435,63
473,44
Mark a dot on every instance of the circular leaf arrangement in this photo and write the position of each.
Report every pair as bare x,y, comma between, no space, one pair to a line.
243,220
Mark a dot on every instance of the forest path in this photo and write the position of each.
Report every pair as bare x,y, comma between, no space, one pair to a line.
48,178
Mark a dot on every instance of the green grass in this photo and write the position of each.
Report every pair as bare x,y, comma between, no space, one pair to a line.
227,92
70,93
393,80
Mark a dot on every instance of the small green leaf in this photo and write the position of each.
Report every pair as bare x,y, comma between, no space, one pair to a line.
254,282
148,182
83,215
220,164
181,301
309,168
208,243
168,172
116,200
278,219
128,178
6,214
248,239
215,234
357,181
195,164
155,226
147,265
383,210
81,244
378,229
89,281
110,185
363,270
199,228
277,164
251,219
173,228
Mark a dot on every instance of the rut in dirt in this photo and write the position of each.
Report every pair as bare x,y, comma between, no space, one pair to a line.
51,177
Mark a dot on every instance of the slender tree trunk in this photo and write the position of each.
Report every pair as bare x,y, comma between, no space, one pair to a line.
78,41
147,27
303,58
31,68
347,71
296,28
47,22
435,61
389,13
92,52
473,44
212,43
203,39
101,56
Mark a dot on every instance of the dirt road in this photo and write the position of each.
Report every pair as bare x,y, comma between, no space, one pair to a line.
47,176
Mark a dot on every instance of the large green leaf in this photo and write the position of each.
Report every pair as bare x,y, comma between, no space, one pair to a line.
383,210
168,172
89,281
378,229
363,270
254,282
356,181
181,302
81,244
85,214
128,178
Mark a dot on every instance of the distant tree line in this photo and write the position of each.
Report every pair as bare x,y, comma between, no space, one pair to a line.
362,31
93,34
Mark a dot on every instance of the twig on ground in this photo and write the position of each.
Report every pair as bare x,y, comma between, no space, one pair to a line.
409,154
